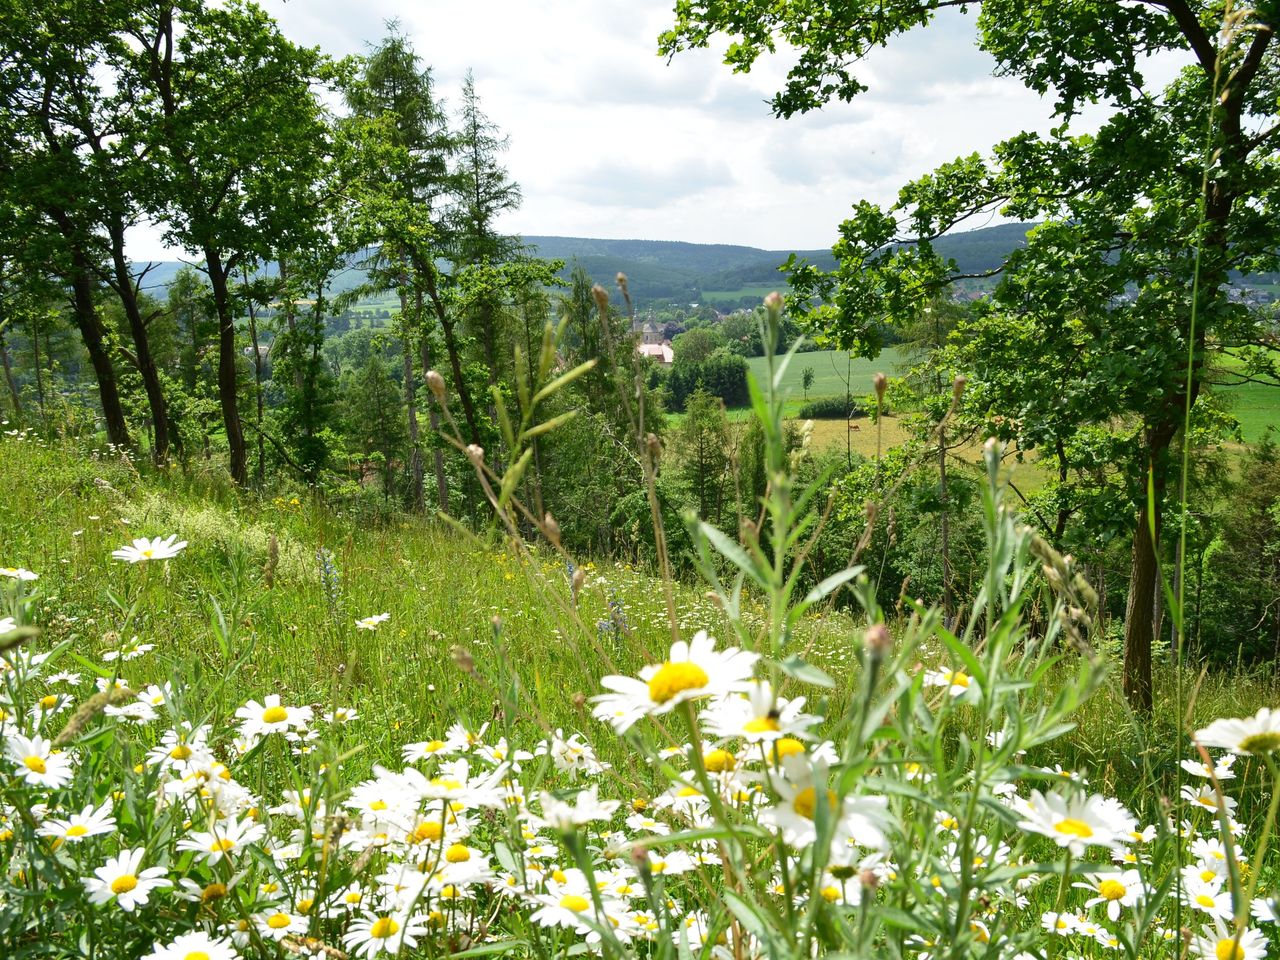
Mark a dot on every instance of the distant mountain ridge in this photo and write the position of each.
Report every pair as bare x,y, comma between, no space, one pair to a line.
684,272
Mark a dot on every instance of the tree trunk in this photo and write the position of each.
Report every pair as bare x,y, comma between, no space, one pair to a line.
146,364
455,355
1140,615
945,505
91,331
227,386
1144,570
257,390
411,408
8,376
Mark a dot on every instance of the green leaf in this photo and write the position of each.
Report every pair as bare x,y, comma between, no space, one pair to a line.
733,552
805,672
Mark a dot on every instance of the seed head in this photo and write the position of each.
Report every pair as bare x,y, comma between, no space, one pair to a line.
601,297
880,381
773,302
551,529
957,389
877,639
435,383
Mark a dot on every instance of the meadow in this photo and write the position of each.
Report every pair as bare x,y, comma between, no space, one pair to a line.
425,705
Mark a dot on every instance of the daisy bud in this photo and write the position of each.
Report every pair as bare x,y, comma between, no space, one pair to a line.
880,381
957,389
551,529
877,640
435,383
601,297
579,700
868,879
110,638
640,860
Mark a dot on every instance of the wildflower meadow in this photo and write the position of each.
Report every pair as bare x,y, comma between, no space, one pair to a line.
752,775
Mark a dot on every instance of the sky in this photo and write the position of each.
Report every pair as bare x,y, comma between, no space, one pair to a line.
608,139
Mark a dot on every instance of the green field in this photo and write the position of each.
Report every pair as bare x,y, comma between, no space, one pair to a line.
834,373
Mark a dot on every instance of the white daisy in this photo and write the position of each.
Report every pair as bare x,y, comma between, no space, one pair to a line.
1256,734
758,716
371,623
18,573
1223,943
567,817
143,549
693,670
228,836
89,822
260,719
1116,890
196,944
391,933
38,764
1074,821
122,880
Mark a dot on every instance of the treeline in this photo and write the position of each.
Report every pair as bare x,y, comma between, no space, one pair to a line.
205,120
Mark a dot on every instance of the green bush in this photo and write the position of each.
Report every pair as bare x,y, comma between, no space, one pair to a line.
831,408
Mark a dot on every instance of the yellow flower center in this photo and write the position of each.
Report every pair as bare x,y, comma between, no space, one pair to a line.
195,955
1207,875
957,679
49,701
222,845
448,892
383,927
275,715
34,764
148,553
558,875
305,905
1204,900
457,854
806,802
123,884
427,830
761,725
77,830
718,761
1111,889
434,745
788,746
1259,743
378,805
214,891
1072,827
180,752
278,921
571,901
830,894
674,678
1228,950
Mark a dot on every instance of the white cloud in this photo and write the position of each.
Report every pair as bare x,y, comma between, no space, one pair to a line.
609,140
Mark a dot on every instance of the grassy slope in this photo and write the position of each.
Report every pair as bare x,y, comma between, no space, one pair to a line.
441,590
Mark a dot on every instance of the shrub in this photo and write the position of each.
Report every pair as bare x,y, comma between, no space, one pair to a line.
831,408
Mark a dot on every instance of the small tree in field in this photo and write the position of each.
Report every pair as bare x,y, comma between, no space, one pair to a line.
806,381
